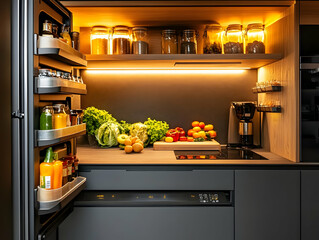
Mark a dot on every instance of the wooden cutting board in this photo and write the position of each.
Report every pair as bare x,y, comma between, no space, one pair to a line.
207,145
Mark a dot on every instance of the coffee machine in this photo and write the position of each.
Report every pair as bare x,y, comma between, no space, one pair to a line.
241,114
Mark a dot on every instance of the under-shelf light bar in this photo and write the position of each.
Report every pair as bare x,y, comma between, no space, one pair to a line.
163,71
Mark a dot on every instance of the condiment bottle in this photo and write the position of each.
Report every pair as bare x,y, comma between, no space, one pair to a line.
46,120
74,117
65,34
58,171
189,43
75,36
64,171
70,160
169,42
76,167
140,40
60,117
55,30
47,170
47,29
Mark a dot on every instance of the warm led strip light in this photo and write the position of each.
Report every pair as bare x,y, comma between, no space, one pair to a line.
164,71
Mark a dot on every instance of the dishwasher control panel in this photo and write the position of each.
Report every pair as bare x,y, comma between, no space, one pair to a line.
154,198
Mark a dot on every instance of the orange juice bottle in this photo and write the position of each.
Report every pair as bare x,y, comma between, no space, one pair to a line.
57,173
47,170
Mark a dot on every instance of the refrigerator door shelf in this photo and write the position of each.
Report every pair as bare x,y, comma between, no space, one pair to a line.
49,85
53,200
49,137
60,51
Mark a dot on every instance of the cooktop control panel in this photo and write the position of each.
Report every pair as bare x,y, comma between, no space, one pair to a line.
154,198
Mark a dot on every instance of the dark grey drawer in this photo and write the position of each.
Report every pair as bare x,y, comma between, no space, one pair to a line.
159,180
144,223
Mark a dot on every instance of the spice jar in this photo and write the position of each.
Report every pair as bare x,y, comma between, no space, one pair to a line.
74,117
254,38
169,42
47,29
189,43
233,41
60,116
66,35
80,116
55,30
75,36
64,171
100,36
121,40
45,72
46,120
140,41
213,39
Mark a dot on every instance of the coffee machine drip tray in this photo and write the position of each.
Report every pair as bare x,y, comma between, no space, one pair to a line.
224,154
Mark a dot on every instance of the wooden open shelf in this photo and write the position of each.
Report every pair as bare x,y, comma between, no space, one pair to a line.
182,61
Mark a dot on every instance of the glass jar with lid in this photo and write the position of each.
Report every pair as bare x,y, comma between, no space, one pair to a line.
47,29
121,40
140,40
46,120
169,42
60,116
213,39
189,42
233,39
255,38
99,38
65,34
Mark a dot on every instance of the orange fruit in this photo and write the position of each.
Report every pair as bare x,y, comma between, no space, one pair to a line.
197,129
190,139
201,125
196,135
195,124
190,132
212,133
202,134
209,127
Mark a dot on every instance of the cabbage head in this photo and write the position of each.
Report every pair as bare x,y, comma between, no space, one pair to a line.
139,130
107,134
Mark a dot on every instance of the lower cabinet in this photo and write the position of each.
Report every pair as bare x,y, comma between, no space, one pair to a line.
145,223
267,205
309,205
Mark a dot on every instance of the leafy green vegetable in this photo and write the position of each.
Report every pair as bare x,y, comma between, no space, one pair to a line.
107,134
199,139
125,127
156,130
139,130
94,118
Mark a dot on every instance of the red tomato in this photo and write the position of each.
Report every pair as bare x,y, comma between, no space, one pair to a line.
195,123
183,138
201,125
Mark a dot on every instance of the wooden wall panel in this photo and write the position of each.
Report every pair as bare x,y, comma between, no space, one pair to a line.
281,131
309,12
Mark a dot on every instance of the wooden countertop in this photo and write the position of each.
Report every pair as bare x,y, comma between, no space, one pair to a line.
113,156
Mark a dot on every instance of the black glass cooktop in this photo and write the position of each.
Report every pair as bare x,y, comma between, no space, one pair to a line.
224,154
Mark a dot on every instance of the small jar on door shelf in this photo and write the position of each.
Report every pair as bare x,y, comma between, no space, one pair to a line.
46,118
213,39
255,38
233,39
60,116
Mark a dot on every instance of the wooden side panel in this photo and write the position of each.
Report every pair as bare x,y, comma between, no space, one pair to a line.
309,12
281,131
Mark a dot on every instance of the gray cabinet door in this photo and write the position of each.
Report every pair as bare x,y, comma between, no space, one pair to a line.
309,205
145,223
267,205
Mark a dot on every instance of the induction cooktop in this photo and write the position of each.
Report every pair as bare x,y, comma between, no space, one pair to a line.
224,154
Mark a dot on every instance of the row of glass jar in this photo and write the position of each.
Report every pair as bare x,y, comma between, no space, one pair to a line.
215,40
46,72
59,116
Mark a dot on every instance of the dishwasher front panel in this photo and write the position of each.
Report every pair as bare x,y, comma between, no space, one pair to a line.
145,223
